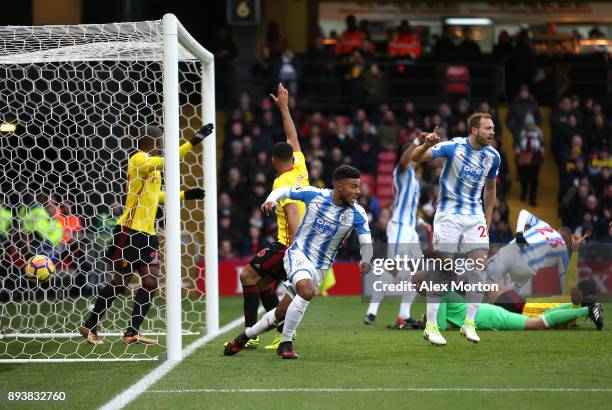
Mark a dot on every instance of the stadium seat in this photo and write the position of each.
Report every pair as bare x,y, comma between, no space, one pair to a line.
384,180
387,156
458,79
368,179
385,168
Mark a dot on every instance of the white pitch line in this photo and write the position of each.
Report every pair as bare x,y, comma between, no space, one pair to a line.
389,389
131,393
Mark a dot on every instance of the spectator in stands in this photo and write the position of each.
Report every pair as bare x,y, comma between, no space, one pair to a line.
405,43
445,47
337,135
369,202
225,51
228,231
351,38
573,205
227,209
503,49
389,132
410,112
275,41
235,186
265,71
315,174
530,153
373,87
261,163
461,114
333,161
270,127
598,136
226,251
522,63
289,70
410,132
379,227
523,104
236,159
468,48
253,242
560,138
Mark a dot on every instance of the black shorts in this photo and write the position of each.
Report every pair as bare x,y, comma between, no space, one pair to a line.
268,262
511,301
132,249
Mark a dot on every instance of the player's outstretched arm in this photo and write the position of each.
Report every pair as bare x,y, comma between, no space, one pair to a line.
366,250
277,195
146,163
282,102
194,193
423,152
406,157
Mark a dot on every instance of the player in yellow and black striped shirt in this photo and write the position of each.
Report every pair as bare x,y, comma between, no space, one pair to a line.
135,246
267,265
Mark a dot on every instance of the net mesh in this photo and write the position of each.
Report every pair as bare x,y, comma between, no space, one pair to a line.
79,97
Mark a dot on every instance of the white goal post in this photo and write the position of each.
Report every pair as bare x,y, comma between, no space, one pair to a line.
55,86
175,33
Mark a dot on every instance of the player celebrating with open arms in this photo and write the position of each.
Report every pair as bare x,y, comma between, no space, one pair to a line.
461,224
135,246
331,216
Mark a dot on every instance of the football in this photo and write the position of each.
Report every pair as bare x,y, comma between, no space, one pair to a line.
39,269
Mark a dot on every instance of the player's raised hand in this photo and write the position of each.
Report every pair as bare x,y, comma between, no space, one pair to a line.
432,138
202,133
268,206
282,98
577,240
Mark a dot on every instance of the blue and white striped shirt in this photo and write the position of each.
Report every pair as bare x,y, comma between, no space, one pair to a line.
546,246
407,191
325,225
464,174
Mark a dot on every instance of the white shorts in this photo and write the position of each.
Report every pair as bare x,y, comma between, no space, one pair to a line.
402,240
456,233
299,267
509,267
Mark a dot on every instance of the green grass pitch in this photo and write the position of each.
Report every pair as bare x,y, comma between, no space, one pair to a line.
338,352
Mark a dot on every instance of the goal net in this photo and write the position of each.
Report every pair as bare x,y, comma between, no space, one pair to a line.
75,100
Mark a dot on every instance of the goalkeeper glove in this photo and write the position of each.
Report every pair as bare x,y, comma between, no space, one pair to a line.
195,193
203,132
520,240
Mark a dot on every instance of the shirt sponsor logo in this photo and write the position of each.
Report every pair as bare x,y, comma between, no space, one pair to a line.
473,174
325,227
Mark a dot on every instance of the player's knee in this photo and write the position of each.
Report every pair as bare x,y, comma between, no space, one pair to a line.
248,276
306,292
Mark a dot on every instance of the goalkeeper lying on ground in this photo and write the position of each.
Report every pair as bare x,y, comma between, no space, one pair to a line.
492,317
135,246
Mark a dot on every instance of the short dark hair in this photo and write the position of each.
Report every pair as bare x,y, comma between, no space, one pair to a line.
346,172
282,151
150,135
474,120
